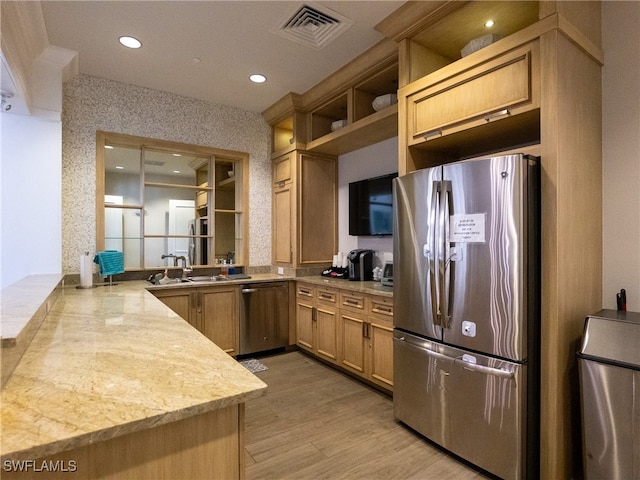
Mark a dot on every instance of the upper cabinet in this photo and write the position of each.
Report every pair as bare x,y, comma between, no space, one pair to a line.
352,108
304,209
490,106
466,89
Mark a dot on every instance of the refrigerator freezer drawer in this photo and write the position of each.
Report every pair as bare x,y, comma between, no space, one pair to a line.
472,405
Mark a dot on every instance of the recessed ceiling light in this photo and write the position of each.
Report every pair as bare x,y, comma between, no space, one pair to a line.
176,154
119,167
489,23
196,60
257,78
176,171
110,147
130,42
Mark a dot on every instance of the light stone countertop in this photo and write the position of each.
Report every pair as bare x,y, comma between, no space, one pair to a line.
372,288
20,301
23,307
108,361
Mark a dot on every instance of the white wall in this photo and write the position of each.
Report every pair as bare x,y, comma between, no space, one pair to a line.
371,161
30,198
621,152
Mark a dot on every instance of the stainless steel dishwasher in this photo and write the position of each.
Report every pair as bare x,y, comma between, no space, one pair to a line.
264,317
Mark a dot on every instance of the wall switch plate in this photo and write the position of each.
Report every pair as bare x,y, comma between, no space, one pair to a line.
280,270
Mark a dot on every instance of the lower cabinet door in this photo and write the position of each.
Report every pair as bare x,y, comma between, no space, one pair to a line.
381,352
180,301
327,334
218,309
353,343
304,325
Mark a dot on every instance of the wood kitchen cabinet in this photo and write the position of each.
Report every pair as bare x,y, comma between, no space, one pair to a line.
181,301
218,316
304,214
283,206
327,323
304,122
451,100
353,325
348,328
380,341
305,311
366,328
213,311
317,321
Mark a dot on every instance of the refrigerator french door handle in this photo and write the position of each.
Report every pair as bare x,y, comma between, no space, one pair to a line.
429,352
441,253
496,372
445,259
434,280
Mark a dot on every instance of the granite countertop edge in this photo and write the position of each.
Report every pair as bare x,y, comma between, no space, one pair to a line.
111,361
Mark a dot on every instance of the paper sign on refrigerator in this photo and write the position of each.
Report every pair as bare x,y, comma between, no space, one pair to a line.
467,227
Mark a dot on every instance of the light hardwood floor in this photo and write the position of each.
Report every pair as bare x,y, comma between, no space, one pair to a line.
316,423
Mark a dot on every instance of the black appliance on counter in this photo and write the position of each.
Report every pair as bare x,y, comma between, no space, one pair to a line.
360,265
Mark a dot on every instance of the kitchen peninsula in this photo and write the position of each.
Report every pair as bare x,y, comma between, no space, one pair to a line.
116,385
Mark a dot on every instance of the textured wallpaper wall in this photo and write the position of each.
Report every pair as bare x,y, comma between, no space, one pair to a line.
92,103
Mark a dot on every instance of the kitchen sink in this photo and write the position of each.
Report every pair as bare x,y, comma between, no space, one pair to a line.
207,279
202,279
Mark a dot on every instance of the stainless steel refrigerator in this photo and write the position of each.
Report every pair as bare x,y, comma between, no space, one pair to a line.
467,310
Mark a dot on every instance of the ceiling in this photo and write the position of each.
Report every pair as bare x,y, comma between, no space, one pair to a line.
231,39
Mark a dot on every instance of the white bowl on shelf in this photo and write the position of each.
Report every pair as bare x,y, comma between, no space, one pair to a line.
384,101
337,125
479,43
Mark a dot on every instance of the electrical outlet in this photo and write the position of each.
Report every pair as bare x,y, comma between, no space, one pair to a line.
280,270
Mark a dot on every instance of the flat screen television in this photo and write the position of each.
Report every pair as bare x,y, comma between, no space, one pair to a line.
371,206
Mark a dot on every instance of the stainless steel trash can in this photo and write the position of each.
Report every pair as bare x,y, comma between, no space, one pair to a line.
609,366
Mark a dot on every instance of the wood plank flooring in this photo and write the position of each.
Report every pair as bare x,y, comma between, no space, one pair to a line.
316,423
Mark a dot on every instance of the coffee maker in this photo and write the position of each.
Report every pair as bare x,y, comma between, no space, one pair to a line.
360,265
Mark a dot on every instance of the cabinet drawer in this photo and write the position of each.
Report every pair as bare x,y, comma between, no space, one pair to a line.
352,300
505,86
381,307
306,291
327,295
281,170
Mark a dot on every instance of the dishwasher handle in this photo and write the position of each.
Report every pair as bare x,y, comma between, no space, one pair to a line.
249,290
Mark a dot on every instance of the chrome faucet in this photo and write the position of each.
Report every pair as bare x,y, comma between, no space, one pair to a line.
171,255
185,269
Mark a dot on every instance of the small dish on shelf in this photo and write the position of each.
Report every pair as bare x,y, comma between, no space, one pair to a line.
337,125
384,101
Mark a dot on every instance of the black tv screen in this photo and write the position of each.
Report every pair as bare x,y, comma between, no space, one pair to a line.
371,206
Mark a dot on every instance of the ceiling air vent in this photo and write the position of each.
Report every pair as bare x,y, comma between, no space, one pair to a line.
154,163
313,26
